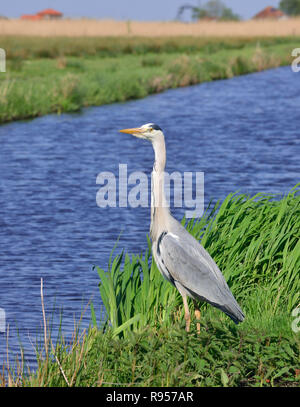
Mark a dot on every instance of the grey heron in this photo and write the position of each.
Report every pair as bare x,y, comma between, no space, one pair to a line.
180,258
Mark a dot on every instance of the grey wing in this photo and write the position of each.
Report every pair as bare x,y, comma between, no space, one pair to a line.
189,264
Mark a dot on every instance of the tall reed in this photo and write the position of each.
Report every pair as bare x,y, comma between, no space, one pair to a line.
254,240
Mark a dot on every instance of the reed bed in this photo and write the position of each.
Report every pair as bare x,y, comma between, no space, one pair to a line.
141,340
103,28
254,240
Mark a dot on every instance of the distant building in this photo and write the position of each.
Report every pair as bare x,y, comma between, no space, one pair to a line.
48,14
270,13
32,17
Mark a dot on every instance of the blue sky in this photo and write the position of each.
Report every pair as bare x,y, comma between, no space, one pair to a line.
124,9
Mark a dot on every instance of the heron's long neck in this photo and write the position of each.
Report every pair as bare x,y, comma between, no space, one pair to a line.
159,206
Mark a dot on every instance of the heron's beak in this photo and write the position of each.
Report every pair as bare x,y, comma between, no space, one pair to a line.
138,132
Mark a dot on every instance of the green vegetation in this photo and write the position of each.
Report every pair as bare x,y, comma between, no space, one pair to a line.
54,75
290,7
213,9
255,242
220,356
141,340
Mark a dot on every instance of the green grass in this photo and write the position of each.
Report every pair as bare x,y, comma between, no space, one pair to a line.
255,241
27,48
57,75
222,355
141,340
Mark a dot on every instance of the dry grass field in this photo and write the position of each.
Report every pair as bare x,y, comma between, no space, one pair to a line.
95,28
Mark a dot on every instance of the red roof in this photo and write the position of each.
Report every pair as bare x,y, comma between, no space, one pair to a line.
270,12
30,17
49,12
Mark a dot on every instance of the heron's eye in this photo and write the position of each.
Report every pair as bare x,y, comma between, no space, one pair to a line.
151,129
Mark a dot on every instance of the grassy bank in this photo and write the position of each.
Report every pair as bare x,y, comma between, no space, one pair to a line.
54,75
141,340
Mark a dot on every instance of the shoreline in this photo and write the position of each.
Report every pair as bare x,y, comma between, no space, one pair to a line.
40,83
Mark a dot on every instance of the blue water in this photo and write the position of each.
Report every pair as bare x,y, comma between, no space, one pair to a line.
243,133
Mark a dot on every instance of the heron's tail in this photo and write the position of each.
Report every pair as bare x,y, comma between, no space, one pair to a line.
234,311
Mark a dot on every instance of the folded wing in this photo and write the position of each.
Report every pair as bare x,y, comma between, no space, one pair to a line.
190,265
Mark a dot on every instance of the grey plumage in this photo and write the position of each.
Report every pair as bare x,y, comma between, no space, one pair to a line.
190,267
179,256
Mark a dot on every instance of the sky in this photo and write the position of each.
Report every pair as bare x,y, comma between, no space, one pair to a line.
125,9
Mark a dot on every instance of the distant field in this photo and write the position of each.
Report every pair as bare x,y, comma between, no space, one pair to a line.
95,28
30,47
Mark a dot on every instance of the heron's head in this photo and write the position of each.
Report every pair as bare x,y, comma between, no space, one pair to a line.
149,131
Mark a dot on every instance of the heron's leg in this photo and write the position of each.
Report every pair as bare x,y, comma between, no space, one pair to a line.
187,314
197,315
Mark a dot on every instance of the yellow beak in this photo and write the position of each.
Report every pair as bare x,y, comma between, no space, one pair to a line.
132,131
